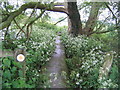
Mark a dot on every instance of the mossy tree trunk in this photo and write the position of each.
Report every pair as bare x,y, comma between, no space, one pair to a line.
91,22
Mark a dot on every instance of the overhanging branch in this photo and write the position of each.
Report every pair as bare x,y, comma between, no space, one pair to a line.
111,10
30,5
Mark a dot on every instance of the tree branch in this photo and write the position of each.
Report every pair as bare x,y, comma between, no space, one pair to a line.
102,24
19,26
60,20
110,10
27,20
101,32
30,5
33,22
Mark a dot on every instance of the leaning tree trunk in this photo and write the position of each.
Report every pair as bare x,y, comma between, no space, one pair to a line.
91,22
74,22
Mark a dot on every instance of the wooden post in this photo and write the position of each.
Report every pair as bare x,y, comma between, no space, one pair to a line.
24,69
20,55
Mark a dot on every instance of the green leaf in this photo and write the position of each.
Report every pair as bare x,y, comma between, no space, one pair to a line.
1,59
20,73
15,84
17,64
13,69
22,83
6,62
8,85
7,74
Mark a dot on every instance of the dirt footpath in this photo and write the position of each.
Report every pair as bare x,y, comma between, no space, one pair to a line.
57,68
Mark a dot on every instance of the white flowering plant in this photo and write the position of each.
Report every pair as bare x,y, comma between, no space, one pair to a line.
39,48
84,57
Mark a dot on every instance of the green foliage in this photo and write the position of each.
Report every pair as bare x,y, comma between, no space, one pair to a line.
81,46
47,26
39,47
85,56
8,42
109,40
50,26
11,74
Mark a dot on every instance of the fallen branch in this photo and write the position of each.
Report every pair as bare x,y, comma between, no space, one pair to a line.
104,70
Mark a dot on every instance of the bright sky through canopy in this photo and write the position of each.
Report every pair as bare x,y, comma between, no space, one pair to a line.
55,16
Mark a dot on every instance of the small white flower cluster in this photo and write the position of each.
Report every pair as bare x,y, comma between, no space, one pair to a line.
40,48
107,83
87,49
90,58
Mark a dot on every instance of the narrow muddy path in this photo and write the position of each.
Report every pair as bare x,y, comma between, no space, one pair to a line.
56,67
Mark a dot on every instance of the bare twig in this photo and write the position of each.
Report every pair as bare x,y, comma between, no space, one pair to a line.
33,22
60,20
101,32
111,10
19,26
102,23
27,20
